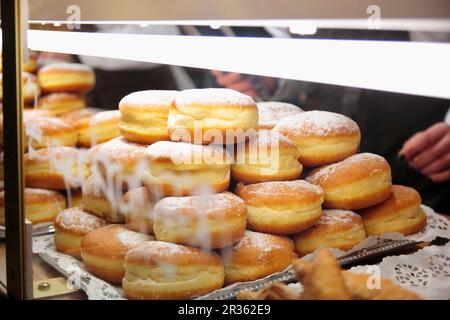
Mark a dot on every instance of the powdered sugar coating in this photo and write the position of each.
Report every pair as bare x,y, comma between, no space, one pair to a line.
181,152
47,124
42,192
150,98
131,238
271,112
262,242
66,67
317,123
214,96
119,149
153,249
105,116
79,221
332,217
289,188
372,162
59,97
206,205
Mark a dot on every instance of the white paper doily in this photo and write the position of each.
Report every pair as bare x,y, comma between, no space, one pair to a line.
426,272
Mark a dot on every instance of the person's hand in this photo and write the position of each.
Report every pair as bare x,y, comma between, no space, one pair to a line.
235,81
429,152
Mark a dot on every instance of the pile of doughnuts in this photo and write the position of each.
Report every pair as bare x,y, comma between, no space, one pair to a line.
205,188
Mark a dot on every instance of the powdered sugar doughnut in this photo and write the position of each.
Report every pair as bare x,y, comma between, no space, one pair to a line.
322,137
44,132
70,227
163,270
213,221
360,181
205,116
255,256
144,115
66,77
336,229
61,102
101,127
103,250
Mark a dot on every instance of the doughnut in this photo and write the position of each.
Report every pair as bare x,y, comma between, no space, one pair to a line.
255,256
271,112
102,199
322,137
73,116
162,270
213,221
61,103
66,77
44,132
282,207
101,127
103,250
401,212
30,88
358,182
266,157
221,116
138,210
40,205
144,115
181,169
71,226
336,229
56,168
120,160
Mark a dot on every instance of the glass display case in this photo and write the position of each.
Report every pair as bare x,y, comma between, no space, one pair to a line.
359,59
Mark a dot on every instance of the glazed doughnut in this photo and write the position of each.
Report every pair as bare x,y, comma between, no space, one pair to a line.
103,250
181,169
119,159
255,256
138,210
282,207
207,115
101,127
208,222
144,115
44,132
358,182
271,112
61,102
102,199
268,156
30,88
162,270
66,77
40,205
71,226
336,229
73,116
56,168
401,212
322,137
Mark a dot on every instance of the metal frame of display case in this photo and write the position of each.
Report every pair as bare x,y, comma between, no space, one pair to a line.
427,15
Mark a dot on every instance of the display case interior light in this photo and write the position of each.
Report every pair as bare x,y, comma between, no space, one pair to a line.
404,67
434,25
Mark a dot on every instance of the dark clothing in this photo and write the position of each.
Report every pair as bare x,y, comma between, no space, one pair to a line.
112,86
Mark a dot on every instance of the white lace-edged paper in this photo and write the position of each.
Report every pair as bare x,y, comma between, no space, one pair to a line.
426,272
437,269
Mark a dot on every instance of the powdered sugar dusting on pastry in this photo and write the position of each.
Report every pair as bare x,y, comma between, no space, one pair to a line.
66,66
260,241
334,216
149,98
131,238
317,123
77,219
271,112
214,96
105,116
